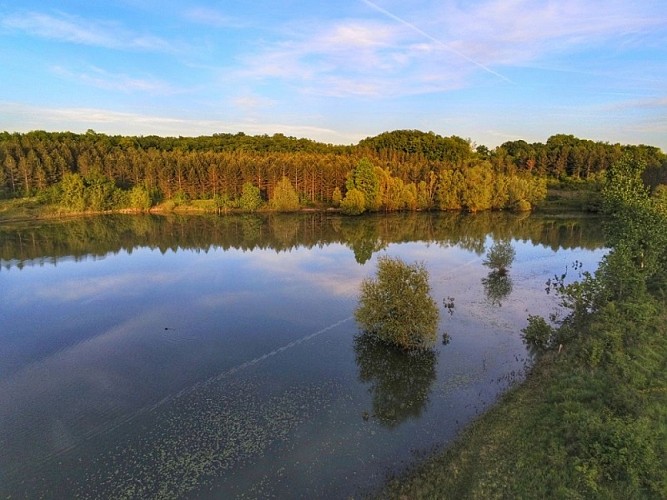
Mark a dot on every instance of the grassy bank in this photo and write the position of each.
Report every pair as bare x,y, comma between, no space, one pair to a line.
568,432
24,209
571,196
20,209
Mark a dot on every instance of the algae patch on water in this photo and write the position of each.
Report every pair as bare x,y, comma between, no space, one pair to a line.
198,437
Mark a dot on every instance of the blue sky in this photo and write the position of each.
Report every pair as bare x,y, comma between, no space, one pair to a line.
488,70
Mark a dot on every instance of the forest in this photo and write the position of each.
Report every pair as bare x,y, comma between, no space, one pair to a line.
399,170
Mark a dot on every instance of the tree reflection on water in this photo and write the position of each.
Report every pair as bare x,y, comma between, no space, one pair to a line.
400,383
498,284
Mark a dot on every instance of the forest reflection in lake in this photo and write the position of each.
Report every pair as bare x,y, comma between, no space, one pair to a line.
216,356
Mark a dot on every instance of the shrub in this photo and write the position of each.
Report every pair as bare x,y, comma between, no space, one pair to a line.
397,307
523,205
285,197
354,202
251,198
539,335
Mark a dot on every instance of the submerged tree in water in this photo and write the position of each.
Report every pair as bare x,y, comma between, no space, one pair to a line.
498,284
396,305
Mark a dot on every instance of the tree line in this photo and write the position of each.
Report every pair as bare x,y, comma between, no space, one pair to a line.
411,170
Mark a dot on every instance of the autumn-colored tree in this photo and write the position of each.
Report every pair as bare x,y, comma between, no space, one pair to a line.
354,202
336,197
285,198
449,187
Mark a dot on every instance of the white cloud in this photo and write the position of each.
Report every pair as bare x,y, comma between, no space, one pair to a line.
23,118
252,101
74,29
439,47
654,103
212,17
100,78
502,32
356,57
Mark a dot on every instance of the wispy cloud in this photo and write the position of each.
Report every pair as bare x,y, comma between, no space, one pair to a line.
439,46
355,57
502,32
251,104
656,103
115,122
100,78
437,41
213,17
74,29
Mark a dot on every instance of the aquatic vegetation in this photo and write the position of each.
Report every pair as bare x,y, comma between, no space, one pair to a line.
197,437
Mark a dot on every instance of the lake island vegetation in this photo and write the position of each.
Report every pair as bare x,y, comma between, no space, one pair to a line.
396,306
394,171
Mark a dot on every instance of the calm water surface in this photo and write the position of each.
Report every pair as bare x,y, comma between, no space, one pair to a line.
218,357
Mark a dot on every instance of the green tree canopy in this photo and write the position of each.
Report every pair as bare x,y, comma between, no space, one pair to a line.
140,198
285,198
365,179
250,199
396,305
73,192
354,202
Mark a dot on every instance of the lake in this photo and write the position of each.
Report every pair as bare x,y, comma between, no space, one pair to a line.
218,357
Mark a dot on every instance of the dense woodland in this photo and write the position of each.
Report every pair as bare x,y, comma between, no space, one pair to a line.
400,170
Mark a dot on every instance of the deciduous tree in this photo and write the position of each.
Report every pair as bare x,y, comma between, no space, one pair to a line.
397,307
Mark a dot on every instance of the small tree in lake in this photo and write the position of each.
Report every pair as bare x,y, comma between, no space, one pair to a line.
397,307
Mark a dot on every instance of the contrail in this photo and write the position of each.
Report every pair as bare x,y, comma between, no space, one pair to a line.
433,39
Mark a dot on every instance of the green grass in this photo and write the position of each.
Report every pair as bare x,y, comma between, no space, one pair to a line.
25,209
568,199
572,430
